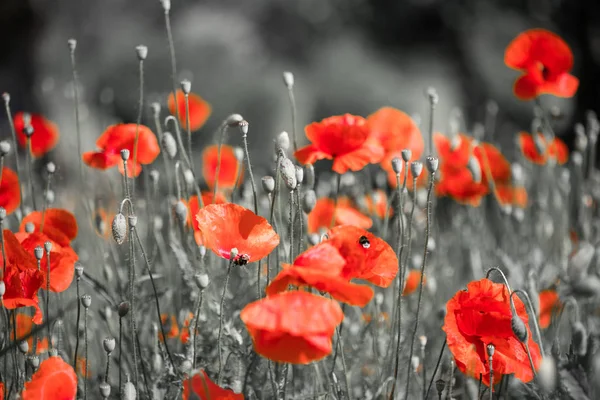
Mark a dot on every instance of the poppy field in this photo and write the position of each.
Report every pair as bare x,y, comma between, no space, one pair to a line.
376,257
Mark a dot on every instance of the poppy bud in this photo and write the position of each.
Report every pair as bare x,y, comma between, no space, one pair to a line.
72,43
282,141
155,109
299,174
128,391
4,148
109,344
154,176
244,127
314,239
309,201
38,252
24,347
416,168
490,349
2,213
125,154
547,374
406,155
433,96
579,338
29,227
169,145
288,173
432,164
288,79
104,390
310,176
268,184
234,253
202,280
234,120
181,212
142,52
86,300
186,86
2,288
397,165
78,270
6,97
440,384
475,169
119,228
166,4
519,328
48,246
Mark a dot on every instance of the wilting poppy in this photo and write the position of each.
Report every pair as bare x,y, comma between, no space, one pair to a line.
377,203
199,109
119,137
228,171
45,133
54,379
227,226
194,207
323,213
539,151
293,327
367,256
545,61
206,389
412,282
24,326
479,316
10,192
345,139
59,225
549,304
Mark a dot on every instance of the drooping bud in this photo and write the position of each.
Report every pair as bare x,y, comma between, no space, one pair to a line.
519,328
309,201
142,52
288,79
416,167
288,173
86,300
397,165
119,228
169,145
123,309
109,344
432,164
268,184
234,120
186,86
181,212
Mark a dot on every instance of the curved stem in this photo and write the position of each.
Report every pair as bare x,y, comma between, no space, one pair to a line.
28,162
188,128
15,145
489,272
77,123
535,322
293,107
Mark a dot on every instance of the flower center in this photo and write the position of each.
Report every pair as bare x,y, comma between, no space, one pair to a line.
241,259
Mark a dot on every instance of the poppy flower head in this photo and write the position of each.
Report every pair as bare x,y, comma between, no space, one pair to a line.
412,282
120,137
59,225
10,192
325,209
482,315
456,151
228,226
367,256
200,110
459,185
229,170
537,150
549,305
491,159
294,327
54,380
206,389
345,139
45,133
545,61
16,256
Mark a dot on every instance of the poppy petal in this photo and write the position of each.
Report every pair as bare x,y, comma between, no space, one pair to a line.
59,225
10,192
200,110
54,379
45,133
228,171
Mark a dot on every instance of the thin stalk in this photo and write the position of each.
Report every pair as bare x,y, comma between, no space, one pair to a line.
173,59
301,221
126,181
424,370
291,224
77,123
77,325
28,162
451,380
198,307
85,341
48,297
218,169
11,123
293,108
341,351
45,203
410,222
159,132
245,140
182,150
137,125
491,363
272,219
107,373
220,345
132,322
437,365
433,99
188,128
535,322
335,200
120,352
425,252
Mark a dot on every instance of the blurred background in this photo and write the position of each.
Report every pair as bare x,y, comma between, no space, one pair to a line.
347,56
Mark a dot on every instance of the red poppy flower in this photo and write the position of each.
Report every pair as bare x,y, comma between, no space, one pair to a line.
345,139
511,195
1,390
345,214
549,304
539,151
54,380
479,316
491,158
323,255
45,133
194,207
24,326
199,109
59,225
377,203
227,226
119,137
454,151
545,61
10,192
459,185
62,260
228,171
412,282
293,327
396,131
206,389
367,256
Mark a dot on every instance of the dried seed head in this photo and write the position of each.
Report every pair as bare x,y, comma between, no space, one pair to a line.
123,309
268,184
125,154
119,228
244,127
309,201
186,86
2,288
299,174
38,252
310,176
475,169
433,96
579,338
181,212
72,43
490,348
397,165
128,392
23,347
155,109
547,374
48,246
406,155
78,270
4,147
86,300
169,145
3,215
519,328
416,167
202,281
154,176
104,390
282,141
29,227
288,173
142,52
288,79
234,120
109,344
432,164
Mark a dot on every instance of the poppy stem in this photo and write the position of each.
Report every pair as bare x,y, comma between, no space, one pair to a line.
125,181
340,344
167,8
272,220
85,343
300,217
245,140
451,380
219,344
338,183
138,122
425,252
292,99
195,332
45,203
28,162
11,123
120,352
218,169
107,373
489,272
534,317
77,324
132,320
437,366
188,128
182,150
291,225
2,245
48,292
433,100
410,223
72,46
490,352
159,132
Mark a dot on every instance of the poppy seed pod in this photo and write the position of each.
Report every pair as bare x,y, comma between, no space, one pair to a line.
423,341
244,127
4,148
282,141
34,361
186,86
72,43
314,239
475,169
128,391
188,175
28,131
519,328
142,52
440,385
78,270
38,252
288,173
416,167
309,201
202,280
234,253
181,211
432,164
119,228
579,338
6,97
433,96
125,154
288,79
490,349
397,165
29,227
109,344
132,220
268,184
86,300
155,108
299,174
2,288
104,390
47,246
123,309
406,155
166,5
234,120
51,167
169,145
24,347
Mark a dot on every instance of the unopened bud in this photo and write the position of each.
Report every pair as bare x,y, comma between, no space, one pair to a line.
186,86
202,280
181,212
48,246
125,154
123,309
119,228
288,173
416,167
519,328
128,392
4,147
288,79
579,338
310,176
268,184
38,252
23,346
169,145
397,165
309,201
283,141
432,164
188,176
109,344
142,52
86,300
